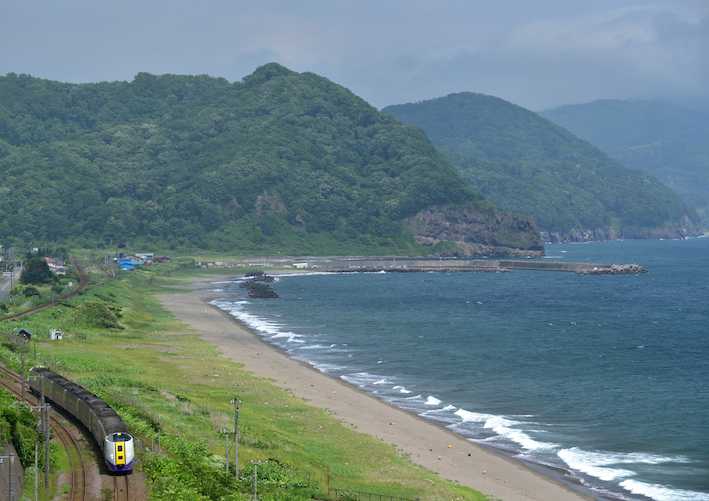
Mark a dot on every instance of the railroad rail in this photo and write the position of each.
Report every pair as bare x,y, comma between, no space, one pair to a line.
121,488
125,488
83,284
64,433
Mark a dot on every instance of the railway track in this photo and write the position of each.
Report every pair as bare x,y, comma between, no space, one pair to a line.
121,488
83,284
65,432
81,462
125,488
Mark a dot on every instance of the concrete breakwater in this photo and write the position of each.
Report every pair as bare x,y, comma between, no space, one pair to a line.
414,265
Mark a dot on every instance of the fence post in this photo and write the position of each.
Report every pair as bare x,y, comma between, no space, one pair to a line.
327,479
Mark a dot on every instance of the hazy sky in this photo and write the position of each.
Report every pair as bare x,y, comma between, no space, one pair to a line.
537,53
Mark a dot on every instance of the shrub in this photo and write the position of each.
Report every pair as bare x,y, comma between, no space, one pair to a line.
36,271
98,314
19,425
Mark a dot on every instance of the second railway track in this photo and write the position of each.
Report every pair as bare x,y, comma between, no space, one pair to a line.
125,488
83,284
65,433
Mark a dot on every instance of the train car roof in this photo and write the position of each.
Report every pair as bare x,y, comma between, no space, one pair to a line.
100,407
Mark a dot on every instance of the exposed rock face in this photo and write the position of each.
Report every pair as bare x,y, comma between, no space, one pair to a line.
476,231
684,229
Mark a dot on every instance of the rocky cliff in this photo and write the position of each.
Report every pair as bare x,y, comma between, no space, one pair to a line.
471,230
681,229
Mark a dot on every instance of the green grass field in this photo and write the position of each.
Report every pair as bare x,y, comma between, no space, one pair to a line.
174,391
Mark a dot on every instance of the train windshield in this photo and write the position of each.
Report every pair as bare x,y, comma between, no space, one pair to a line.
120,437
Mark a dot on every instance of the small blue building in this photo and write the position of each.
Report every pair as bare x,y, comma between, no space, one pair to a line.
129,263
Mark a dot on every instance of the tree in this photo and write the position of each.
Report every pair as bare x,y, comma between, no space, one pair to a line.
36,271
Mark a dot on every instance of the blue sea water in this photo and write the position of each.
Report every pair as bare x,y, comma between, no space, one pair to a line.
606,376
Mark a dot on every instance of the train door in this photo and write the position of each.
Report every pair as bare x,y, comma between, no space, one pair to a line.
120,453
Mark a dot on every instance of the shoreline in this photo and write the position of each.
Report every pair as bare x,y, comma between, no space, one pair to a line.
424,442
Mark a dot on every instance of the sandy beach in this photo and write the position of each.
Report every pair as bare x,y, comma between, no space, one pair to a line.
423,442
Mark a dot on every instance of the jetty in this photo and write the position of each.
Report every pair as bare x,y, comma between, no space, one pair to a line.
398,264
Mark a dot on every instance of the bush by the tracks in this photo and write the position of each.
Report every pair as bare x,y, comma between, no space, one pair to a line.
190,472
99,314
30,291
18,425
36,271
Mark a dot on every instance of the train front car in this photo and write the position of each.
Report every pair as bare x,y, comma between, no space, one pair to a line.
119,452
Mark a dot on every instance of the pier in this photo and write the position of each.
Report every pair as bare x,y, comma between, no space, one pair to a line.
339,264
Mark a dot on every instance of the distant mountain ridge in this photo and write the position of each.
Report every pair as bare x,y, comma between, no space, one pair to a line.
279,162
526,164
668,141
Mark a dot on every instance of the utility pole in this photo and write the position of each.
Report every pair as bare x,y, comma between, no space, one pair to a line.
22,370
255,482
43,409
237,408
11,259
45,431
225,432
36,470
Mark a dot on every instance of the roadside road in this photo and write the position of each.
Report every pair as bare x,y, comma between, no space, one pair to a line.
5,284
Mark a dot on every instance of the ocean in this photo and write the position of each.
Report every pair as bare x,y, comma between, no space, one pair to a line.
604,376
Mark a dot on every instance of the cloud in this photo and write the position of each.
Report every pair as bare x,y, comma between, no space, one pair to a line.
537,54
643,51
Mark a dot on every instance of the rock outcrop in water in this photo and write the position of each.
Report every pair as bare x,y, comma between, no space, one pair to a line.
258,285
259,276
260,290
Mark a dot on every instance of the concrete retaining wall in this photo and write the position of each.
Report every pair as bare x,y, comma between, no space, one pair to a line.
11,474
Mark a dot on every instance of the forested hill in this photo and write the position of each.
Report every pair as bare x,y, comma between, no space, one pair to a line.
663,139
525,163
279,162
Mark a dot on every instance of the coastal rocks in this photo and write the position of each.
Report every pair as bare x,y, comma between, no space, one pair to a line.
259,276
581,235
475,230
685,228
260,290
258,286
614,269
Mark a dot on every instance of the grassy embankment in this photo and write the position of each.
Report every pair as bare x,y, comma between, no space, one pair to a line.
175,389
23,297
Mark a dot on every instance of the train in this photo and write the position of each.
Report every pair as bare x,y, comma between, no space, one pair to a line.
105,425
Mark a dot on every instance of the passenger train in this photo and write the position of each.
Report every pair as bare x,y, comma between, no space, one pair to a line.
107,428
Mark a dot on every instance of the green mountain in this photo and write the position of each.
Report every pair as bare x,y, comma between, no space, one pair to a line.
665,140
279,162
526,164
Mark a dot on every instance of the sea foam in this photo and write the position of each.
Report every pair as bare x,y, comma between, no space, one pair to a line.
661,492
432,401
504,427
603,464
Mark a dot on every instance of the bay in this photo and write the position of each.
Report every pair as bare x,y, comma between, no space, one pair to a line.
607,376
